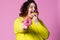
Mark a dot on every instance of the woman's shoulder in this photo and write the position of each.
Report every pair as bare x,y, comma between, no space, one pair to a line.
41,21
18,19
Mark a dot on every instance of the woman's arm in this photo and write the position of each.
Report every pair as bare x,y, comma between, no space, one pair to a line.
44,31
40,29
18,26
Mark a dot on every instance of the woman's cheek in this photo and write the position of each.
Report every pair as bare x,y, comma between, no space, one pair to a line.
29,10
30,15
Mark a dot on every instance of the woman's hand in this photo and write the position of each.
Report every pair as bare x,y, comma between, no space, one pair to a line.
35,17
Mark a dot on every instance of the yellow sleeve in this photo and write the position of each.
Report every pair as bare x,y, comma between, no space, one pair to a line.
40,28
18,26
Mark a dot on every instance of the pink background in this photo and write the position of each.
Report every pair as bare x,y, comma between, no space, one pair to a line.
49,12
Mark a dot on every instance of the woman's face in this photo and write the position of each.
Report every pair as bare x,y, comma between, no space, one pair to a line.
31,9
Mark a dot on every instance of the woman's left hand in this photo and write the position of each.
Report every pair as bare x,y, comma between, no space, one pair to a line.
35,17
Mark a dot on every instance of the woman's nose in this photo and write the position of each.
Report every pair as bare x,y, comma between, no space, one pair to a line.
33,9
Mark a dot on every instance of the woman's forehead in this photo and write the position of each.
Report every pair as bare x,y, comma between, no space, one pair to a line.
32,4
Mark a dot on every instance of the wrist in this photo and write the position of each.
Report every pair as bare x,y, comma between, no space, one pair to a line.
24,26
35,19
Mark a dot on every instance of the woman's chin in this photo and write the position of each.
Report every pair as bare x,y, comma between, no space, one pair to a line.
30,16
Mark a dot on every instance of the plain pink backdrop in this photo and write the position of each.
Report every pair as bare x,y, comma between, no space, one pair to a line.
49,12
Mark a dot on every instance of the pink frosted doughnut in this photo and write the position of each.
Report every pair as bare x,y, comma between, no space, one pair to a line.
27,21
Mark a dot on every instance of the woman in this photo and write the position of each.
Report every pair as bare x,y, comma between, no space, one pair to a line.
28,26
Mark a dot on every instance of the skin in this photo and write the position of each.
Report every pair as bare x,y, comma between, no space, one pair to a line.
30,14
31,10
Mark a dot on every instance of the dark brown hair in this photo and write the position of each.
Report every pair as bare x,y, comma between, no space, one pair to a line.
24,8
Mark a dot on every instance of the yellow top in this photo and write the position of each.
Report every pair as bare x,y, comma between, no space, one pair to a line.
34,32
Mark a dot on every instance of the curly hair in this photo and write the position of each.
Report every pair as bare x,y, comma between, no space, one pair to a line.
25,6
